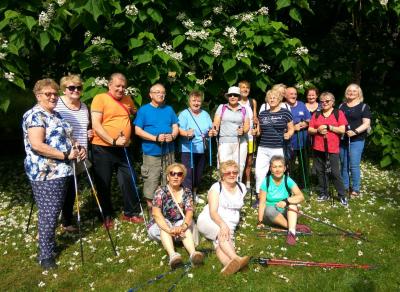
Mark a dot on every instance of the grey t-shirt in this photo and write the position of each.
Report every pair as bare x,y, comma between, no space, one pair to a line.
230,122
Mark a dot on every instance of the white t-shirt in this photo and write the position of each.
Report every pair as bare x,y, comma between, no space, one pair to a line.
283,105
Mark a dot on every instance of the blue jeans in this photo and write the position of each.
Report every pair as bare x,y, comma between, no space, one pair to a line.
356,150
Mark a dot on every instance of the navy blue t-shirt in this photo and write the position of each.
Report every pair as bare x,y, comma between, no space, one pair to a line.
354,116
273,126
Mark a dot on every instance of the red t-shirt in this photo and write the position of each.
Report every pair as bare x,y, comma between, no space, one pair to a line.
333,138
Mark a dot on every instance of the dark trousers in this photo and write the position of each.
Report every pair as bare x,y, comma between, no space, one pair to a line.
319,164
105,161
68,207
198,165
303,165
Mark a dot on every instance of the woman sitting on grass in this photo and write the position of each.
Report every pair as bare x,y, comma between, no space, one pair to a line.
278,194
221,215
172,211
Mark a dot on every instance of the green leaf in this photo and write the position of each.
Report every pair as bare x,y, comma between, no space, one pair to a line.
289,63
231,77
155,15
138,99
9,14
29,22
249,33
94,8
228,64
208,60
134,43
144,58
142,16
386,161
190,50
152,74
257,40
163,56
178,40
261,84
19,82
282,4
147,35
4,103
267,40
278,25
295,14
44,40
246,61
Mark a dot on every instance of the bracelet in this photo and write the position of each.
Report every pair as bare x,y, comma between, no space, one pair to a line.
356,132
286,201
187,225
331,128
157,138
259,222
114,143
66,154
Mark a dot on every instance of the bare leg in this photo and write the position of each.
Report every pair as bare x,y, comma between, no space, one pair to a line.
281,221
167,242
223,258
247,169
292,218
188,242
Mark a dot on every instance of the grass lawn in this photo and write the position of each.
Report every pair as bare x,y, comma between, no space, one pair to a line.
376,215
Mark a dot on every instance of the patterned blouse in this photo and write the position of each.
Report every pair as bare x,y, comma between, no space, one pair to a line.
163,200
57,131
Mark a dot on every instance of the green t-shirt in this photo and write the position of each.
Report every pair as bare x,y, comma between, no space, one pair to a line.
276,193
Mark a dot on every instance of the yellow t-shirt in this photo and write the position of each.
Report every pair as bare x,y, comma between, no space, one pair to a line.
115,116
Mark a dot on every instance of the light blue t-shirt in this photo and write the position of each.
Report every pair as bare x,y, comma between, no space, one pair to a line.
188,120
300,113
156,120
276,193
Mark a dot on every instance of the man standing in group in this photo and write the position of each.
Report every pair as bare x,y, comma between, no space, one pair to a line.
157,124
301,118
112,131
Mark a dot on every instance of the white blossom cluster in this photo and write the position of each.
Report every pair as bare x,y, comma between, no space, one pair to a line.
115,60
169,51
218,9
264,68
301,51
384,2
263,11
207,23
216,50
188,23
97,40
45,17
100,81
10,76
3,56
88,34
197,34
131,10
61,2
231,32
95,60
241,55
204,80
190,73
299,86
327,74
3,43
245,17
181,16
132,91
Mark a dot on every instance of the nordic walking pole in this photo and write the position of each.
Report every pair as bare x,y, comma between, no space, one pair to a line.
210,154
348,159
238,161
252,164
301,159
192,167
30,215
96,197
298,263
77,208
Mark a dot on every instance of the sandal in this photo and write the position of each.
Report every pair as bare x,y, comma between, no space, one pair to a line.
232,267
175,260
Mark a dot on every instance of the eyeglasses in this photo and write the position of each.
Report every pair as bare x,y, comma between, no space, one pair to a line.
178,174
234,95
73,88
231,173
49,94
326,101
158,92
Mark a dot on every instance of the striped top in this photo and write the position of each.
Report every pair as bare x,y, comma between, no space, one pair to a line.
78,119
273,126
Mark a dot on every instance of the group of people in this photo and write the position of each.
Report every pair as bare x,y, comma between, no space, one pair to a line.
58,128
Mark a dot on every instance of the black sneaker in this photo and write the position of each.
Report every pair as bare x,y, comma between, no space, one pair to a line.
48,264
344,202
322,198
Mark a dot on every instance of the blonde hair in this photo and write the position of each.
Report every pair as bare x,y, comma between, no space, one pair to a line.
360,93
327,94
47,82
225,165
179,165
274,92
244,82
73,78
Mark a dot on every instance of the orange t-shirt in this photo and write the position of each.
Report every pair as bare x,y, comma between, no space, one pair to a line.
115,117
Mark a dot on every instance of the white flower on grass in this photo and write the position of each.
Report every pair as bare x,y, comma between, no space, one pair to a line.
217,9
10,76
190,276
100,81
263,11
131,10
55,276
129,270
97,40
61,2
216,50
45,273
197,34
360,253
41,284
188,23
207,23
264,68
301,51
384,2
121,261
241,55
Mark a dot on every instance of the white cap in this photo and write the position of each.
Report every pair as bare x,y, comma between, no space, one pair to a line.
233,90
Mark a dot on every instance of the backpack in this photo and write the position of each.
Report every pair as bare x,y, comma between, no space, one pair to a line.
335,113
242,109
268,176
237,183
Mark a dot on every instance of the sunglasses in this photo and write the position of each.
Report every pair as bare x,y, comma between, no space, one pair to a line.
233,95
178,174
73,88
49,94
326,101
231,173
